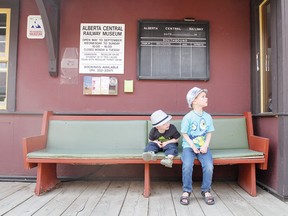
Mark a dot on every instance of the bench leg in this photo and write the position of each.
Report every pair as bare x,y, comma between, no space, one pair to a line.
146,192
46,178
247,178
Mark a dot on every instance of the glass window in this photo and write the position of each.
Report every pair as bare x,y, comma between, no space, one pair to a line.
265,56
4,54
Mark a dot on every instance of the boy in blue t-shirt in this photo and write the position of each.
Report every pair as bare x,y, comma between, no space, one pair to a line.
196,128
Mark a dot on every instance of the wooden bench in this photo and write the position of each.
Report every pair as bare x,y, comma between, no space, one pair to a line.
93,140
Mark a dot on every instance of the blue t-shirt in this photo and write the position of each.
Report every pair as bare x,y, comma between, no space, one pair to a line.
196,127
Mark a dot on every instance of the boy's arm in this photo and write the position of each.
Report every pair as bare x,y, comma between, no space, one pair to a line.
189,141
169,141
153,138
157,142
176,136
204,148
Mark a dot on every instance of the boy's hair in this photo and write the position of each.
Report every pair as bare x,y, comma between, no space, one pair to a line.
192,94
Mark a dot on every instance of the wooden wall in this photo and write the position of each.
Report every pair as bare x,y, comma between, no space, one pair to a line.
229,84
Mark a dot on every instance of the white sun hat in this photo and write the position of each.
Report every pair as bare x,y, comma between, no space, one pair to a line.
192,94
159,118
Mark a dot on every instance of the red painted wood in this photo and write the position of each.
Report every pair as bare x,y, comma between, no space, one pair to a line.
46,178
147,189
247,178
47,175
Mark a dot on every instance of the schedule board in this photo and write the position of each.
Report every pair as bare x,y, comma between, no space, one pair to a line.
173,50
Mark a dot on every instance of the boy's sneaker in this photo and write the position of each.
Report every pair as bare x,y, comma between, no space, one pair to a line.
167,162
147,156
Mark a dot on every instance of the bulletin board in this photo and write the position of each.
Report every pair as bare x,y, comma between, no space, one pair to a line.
173,50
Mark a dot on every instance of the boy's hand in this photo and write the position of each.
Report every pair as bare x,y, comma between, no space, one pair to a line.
196,150
163,144
159,143
203,149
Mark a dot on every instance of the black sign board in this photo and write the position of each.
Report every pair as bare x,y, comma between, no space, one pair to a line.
173,50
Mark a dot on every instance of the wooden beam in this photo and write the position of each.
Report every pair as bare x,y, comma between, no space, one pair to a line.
49,11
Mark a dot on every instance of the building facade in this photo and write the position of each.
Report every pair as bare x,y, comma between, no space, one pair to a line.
42,42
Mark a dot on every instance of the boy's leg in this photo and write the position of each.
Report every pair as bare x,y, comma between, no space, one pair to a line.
170,150
206,161
151,146
149,152
187,169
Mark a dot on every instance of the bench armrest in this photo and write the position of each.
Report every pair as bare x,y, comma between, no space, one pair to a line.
31,144
260,144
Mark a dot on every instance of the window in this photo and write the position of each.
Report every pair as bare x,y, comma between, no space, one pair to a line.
9,20
4,54
265,57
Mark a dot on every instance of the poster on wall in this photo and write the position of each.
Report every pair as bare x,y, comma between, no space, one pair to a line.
100,85
35,28
101,48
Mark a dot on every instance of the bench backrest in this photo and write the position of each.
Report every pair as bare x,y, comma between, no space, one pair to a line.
108,134
133,134
230,133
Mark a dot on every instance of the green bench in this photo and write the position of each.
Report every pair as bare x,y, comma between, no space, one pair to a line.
93,140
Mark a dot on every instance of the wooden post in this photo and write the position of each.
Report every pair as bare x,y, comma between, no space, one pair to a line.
146,193
46,178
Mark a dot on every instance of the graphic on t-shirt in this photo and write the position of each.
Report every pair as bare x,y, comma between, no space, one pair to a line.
163,139
203,124
199,139
194,126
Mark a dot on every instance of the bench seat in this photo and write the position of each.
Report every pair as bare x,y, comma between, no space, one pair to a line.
236,153
92,140
86,153
226,153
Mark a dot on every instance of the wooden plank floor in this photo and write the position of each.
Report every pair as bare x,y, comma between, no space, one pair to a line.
124,198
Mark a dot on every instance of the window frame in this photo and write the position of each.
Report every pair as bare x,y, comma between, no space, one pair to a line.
265,57
256,94
5,57
13,5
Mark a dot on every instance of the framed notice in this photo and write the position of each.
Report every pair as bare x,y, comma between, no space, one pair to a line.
101,48
100,85
173,50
